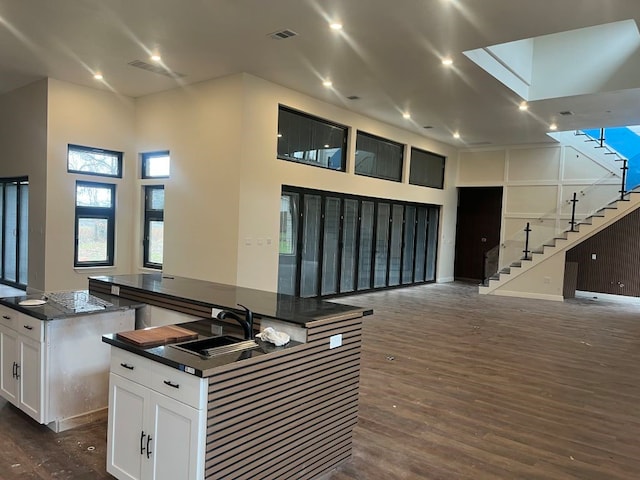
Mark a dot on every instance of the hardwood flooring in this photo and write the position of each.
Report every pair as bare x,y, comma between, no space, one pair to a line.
453,386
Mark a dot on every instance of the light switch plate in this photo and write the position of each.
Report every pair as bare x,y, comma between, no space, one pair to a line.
335,341
115,290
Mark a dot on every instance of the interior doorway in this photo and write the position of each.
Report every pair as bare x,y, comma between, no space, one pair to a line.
478,229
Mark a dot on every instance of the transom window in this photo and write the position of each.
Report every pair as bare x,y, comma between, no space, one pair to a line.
94,161
378,157
427,169
303,138
155,164
95,224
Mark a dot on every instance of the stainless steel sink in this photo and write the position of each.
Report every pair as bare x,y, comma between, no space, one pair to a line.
213,346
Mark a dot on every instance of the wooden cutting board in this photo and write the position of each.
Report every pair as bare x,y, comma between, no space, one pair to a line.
154,336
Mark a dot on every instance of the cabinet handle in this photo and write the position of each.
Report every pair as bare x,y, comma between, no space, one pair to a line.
17,370
142,435
28,327
13,372
128,367
148,449
170,384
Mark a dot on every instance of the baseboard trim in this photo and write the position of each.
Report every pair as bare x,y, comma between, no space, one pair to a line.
60,425
532,295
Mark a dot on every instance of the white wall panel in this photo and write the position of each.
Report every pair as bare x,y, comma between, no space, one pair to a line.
534,164
481,168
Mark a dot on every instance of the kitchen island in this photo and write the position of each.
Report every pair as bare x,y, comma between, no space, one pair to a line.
265,412
53,365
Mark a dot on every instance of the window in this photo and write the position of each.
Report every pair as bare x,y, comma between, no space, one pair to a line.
14,228
378,157
95,224
427,169
350,243
155,165
153,243
94,161
306,139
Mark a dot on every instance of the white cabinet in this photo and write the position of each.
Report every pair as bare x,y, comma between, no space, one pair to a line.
157,418
22,363
57,371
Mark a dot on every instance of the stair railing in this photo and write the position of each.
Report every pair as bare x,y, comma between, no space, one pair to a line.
540,229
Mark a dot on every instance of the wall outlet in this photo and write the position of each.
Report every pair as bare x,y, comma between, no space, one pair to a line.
594,256
335,341
115,290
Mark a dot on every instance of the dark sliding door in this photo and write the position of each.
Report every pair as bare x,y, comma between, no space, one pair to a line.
14,226
332,244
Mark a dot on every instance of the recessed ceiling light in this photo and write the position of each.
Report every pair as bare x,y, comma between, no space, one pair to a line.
327,83
406,115
98,76
523,106
326,145
447,61
156,58
335,26
456,134
553,127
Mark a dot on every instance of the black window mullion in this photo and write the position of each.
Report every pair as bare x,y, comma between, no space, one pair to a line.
321,246
299,244
356,276
340,249
389,243
374,244
415,244
402,241
426,242
17,251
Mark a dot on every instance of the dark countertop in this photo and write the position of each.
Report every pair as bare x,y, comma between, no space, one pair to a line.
193,363
264,304
61,305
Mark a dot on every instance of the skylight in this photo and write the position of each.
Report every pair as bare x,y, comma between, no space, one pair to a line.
584,61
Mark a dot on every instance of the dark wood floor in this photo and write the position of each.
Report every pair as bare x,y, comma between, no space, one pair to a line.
454,386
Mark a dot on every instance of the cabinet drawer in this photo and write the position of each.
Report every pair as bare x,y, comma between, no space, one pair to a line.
131,366
30,327
179,385
8,316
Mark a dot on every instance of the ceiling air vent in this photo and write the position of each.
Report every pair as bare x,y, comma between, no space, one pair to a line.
282,34
478,144
156,69
353,97
566,113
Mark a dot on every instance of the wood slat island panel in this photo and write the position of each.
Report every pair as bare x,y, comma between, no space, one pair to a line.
296,412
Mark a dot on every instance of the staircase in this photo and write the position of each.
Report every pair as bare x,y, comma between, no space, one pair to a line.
541,275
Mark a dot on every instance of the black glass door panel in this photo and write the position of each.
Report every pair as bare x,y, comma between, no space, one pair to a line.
330,245
395,246
409,248
366,245
349,245
383,217
310,254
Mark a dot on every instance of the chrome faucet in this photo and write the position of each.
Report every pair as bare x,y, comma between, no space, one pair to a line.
246,323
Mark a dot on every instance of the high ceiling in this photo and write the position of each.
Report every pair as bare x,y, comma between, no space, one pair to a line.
388,54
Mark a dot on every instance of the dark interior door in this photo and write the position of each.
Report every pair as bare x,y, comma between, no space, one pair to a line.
478,229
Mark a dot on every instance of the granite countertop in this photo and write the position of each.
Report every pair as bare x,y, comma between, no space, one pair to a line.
265,304
193,363
67,304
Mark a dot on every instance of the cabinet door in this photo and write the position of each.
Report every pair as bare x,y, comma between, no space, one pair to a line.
31,363
8,357
178,440
126,437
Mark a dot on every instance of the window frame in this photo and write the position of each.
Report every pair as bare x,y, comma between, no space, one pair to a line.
144,159
150,215
324,121
83,148
107,213
377,138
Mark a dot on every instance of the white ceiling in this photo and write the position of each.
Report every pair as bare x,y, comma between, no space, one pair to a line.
388,54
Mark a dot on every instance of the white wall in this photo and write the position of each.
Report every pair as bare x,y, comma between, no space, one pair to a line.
23,137
95,118
222,139
538,183
201,126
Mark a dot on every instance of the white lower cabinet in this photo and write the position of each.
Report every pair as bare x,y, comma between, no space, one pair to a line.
21,367
154,435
